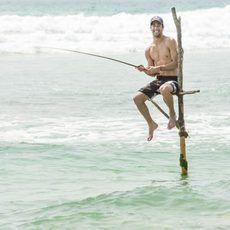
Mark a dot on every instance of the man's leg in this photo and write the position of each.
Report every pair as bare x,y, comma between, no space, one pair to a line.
139,100
166,91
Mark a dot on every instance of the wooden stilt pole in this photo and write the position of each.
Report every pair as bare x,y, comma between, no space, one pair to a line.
180,123
182,131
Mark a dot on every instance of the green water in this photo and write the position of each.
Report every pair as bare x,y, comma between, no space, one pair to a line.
74,153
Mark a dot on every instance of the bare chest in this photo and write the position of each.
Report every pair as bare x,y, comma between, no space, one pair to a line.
160,53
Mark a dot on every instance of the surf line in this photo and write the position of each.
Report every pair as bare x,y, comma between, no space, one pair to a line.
91,54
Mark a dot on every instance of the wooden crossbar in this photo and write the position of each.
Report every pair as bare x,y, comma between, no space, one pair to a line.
187,92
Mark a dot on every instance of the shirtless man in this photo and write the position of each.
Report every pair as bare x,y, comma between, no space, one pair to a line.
161,56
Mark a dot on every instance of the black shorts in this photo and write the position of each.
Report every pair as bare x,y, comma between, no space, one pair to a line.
152,89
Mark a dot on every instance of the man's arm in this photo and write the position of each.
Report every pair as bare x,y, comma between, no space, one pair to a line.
150,62
148,57
151,65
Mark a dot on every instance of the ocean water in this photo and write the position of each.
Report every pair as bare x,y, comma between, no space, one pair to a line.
73,146
108,30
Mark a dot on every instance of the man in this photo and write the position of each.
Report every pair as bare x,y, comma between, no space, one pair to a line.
161,56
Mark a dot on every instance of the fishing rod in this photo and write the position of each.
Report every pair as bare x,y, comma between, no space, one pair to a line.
94,55
112,59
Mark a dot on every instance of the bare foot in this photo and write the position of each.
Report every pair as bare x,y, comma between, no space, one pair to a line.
172,122
152,127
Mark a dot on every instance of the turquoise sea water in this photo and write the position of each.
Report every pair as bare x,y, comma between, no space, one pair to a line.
73,146
74,153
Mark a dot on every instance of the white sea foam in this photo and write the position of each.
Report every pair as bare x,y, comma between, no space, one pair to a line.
91,130
207,28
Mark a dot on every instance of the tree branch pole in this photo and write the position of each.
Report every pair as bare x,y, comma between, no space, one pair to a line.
182,132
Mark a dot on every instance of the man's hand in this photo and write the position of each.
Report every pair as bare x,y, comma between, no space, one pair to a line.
149,70
152,70
141,68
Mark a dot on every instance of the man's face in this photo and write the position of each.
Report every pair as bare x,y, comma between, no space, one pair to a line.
157,29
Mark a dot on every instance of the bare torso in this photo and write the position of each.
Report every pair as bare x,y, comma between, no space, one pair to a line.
163,53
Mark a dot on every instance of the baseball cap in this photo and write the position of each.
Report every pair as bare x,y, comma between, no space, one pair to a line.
156,18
